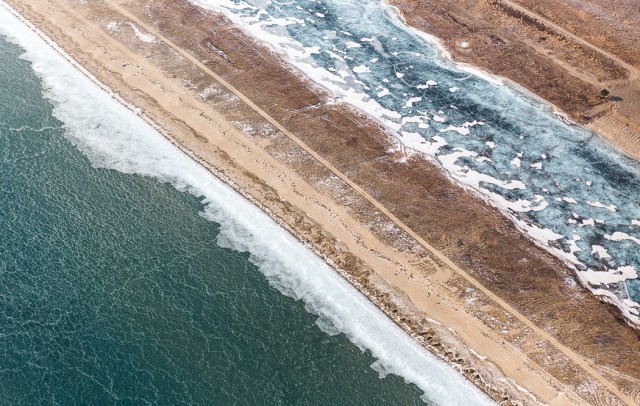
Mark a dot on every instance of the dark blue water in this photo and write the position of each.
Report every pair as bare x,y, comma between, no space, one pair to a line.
114,290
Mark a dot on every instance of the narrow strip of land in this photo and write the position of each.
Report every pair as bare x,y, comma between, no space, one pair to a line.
584,364
208,118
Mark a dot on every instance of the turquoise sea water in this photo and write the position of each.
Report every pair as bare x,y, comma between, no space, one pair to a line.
119,287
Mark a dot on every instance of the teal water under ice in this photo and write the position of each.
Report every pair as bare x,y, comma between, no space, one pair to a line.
117,288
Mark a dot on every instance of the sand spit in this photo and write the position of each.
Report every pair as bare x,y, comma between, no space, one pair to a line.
509,316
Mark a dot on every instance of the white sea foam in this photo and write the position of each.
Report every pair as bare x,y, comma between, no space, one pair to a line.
115,137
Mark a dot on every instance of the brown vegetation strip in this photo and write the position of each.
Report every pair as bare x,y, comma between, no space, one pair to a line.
613,25
509,41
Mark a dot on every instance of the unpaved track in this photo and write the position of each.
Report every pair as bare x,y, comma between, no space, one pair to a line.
584,364
633,71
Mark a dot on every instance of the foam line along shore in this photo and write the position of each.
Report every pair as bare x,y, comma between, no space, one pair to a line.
113,136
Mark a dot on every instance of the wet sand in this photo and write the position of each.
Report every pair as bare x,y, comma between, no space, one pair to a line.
507,315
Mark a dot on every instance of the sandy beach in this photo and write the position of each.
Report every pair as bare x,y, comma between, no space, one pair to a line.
449,280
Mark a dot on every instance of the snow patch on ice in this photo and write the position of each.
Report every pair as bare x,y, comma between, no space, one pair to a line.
600,251
620,236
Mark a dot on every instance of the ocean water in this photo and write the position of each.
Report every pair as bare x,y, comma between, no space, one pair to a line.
131,275
570,191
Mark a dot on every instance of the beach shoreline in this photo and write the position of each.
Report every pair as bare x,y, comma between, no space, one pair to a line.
429,335
563,52
357,254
